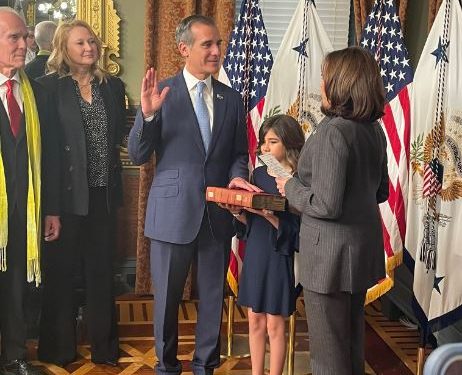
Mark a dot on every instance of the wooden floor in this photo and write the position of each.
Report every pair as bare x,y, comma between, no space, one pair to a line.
390,346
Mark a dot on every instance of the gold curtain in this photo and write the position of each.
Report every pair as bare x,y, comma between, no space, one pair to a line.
362,8
433,6
162,17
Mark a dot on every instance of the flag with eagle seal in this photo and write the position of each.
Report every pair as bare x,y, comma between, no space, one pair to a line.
434,214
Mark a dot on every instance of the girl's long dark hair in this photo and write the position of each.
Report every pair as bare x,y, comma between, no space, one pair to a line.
288,130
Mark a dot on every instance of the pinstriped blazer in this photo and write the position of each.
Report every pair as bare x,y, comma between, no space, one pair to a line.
342,176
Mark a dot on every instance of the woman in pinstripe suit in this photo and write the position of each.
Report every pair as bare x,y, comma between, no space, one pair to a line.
342,177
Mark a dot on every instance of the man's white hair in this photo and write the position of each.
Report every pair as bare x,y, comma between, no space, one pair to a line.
10,10
44,32
5,9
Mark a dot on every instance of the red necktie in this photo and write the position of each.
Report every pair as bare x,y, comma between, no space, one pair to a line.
13,108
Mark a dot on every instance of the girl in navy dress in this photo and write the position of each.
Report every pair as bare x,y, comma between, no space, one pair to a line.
266,285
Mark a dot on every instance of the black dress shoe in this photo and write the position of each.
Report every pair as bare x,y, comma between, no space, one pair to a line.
20,367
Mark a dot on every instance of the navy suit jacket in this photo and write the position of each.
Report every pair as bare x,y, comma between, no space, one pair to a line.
176,203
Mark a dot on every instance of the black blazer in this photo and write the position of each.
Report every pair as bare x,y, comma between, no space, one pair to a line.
14,154
74,189
36,67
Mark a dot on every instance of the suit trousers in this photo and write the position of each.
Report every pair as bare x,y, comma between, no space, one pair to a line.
13,288
336,332
87,241
170,264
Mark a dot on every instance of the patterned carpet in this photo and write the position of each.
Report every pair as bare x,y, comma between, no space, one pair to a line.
391,348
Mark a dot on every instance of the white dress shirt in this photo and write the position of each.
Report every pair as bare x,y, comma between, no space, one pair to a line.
191,83
30,55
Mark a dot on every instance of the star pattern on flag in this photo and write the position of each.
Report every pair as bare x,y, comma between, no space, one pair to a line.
383,37
436,283
440,52
248,60
301,48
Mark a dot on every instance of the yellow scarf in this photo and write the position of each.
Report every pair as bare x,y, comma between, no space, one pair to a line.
34,153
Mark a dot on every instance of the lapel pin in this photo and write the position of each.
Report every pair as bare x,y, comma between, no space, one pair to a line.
219,96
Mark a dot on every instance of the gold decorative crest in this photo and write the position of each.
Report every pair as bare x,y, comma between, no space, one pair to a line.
308,117
294,111
450,155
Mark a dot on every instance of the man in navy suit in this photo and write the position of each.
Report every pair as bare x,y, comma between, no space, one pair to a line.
195,125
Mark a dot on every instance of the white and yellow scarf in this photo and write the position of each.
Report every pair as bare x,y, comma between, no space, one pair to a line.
33,193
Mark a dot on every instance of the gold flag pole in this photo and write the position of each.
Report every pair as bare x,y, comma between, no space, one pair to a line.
291,345
236,346
230,330
420,360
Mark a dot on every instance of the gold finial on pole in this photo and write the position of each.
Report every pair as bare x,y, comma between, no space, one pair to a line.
420,360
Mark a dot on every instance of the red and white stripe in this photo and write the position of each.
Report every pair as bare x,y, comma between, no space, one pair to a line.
236,257
396,124
431,185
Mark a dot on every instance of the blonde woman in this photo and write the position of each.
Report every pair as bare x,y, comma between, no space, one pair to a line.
90,111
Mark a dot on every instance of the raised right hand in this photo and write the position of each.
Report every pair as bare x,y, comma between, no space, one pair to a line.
151,99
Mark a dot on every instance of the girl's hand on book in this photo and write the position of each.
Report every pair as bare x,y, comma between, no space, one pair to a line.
235,210
267,214
262,212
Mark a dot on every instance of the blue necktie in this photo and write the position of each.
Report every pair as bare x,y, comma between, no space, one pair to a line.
202,114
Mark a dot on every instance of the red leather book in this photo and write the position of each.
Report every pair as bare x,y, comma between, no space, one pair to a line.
245,198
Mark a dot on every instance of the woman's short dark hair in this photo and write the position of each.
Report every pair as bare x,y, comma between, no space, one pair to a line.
353,85
289,131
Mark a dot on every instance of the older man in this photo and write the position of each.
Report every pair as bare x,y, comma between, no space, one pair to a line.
28,152
44,32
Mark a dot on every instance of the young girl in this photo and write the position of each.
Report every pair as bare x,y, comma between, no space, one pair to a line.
266,285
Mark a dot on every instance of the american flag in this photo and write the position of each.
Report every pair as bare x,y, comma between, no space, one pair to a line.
433,178
383,37
246,68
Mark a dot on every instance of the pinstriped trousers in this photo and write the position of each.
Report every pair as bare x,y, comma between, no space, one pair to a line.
336,332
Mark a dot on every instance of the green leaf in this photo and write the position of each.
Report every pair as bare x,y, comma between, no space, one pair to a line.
272,112
417,149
